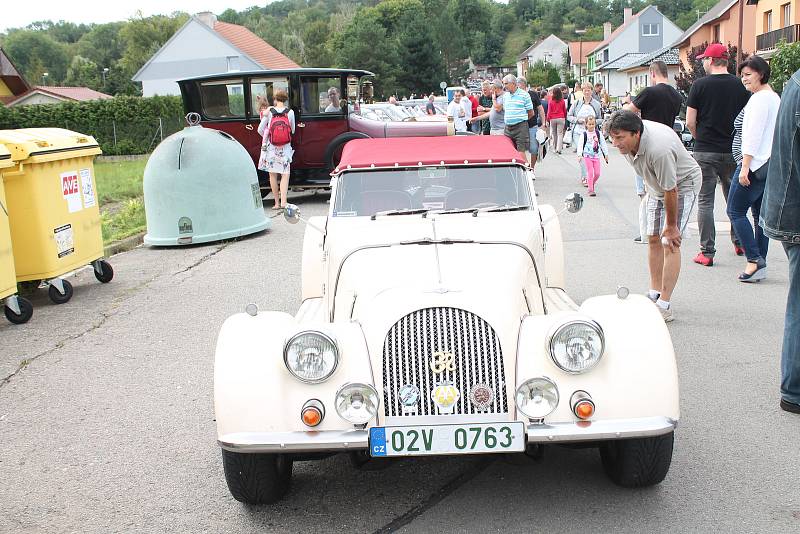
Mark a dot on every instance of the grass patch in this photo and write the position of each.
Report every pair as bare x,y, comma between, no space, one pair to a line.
119,180
517,40
119,186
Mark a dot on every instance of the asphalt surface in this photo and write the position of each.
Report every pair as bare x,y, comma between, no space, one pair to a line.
107,422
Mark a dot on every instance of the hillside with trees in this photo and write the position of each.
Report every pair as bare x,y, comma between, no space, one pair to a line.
411,45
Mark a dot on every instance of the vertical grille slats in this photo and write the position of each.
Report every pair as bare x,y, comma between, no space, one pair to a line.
409,346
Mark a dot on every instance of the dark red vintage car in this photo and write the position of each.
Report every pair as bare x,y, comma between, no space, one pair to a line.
228,102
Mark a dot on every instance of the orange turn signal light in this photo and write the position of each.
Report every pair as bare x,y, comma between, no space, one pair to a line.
313,412
584,409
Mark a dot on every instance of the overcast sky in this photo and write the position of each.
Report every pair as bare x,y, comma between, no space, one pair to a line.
88,12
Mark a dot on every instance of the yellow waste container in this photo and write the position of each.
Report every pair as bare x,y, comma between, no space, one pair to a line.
17,309
53,207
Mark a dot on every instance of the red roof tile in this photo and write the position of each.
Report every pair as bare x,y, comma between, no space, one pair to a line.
254,46
577,48
76,94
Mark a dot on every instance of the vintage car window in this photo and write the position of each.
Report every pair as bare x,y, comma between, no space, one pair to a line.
363,193
322,96
266,87
222,99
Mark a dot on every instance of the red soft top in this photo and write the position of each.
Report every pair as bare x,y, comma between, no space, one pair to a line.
415,151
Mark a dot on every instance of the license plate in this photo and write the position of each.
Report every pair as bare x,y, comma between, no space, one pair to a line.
477,438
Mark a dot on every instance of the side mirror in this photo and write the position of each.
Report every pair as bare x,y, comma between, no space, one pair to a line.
573,203
292,213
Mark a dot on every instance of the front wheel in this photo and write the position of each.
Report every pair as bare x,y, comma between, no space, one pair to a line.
257,478
640,462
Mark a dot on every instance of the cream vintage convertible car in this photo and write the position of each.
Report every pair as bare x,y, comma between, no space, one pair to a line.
434,322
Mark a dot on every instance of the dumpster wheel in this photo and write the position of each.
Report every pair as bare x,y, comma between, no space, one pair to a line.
56,296
25,311
103,271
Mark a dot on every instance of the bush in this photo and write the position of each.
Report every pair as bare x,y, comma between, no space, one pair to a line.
122,125
783,64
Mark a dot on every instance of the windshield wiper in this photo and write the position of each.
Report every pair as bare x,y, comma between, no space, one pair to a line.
403,211
501,208
454,210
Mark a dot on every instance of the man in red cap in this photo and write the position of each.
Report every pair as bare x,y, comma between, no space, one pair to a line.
714,101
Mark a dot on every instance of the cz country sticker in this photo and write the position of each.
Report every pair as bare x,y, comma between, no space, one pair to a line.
65,240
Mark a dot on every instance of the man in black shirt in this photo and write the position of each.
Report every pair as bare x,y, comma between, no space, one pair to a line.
659,103
714,102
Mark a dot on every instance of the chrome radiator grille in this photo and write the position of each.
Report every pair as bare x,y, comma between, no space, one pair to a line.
408,351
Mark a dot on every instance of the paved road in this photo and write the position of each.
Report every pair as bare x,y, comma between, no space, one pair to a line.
106,414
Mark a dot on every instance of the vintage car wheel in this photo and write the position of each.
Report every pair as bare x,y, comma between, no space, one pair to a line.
257,478
636,463
333,154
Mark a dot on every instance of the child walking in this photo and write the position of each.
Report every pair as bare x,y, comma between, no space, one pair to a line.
592,145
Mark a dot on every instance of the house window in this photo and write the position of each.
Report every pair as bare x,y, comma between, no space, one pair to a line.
233,63
650,30
768,21
717,34
786,15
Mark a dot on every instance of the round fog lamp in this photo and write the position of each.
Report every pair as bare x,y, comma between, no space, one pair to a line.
357,403
537,398
577,346
311,356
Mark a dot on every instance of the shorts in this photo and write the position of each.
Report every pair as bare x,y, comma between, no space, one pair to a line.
518,133
657,216
497,131
533,146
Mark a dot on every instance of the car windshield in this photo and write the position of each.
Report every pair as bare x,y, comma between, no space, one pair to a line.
367,192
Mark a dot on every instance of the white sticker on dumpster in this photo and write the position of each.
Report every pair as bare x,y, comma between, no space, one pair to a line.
71,191
65,240
87,187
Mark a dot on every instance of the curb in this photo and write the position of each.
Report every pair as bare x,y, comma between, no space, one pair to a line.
123,245
132,157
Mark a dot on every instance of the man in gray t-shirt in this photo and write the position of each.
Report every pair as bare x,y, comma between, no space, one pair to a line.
496,114
672,178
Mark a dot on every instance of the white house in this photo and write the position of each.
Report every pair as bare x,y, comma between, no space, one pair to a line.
203,46
638,71
643,33
551,50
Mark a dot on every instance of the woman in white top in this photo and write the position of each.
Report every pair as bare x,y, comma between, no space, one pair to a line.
276,158
752,146
582,108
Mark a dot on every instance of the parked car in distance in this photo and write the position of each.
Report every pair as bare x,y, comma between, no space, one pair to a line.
227,102
434,321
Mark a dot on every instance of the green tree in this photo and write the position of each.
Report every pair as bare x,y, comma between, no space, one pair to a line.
783,64
143,36
84,72
422,67
542,75
35,53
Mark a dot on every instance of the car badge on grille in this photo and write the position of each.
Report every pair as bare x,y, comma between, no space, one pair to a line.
409,398
445,396
442,361
481,396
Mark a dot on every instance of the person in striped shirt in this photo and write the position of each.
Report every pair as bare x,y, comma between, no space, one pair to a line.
518,109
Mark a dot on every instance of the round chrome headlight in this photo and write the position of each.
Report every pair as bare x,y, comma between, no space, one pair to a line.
357,403
311,356
577,346
537,397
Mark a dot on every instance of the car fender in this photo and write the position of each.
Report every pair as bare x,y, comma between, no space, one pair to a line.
637,375
313,266
553,247
338,142
253,389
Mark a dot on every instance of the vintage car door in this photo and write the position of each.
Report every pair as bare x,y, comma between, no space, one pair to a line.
222,107
264,86
320,117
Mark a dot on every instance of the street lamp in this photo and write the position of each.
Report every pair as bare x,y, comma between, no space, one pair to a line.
44,77
105,71
580,54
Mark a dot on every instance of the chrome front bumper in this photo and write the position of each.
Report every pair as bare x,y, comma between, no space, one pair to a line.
353,440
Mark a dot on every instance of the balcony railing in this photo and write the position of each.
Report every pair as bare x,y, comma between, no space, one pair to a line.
769,40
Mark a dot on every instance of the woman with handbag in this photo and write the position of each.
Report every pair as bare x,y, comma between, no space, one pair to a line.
752,147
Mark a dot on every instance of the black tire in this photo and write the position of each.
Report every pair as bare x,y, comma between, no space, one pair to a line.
57,297
106,274
362,461
637,463
334,151
257,478
26,312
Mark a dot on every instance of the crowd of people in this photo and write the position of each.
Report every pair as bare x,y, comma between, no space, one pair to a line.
745,139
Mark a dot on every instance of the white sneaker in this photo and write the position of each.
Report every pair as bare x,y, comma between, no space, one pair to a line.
666,314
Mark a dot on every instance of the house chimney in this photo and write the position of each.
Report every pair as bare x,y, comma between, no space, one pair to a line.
207,18
606,31
627,13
